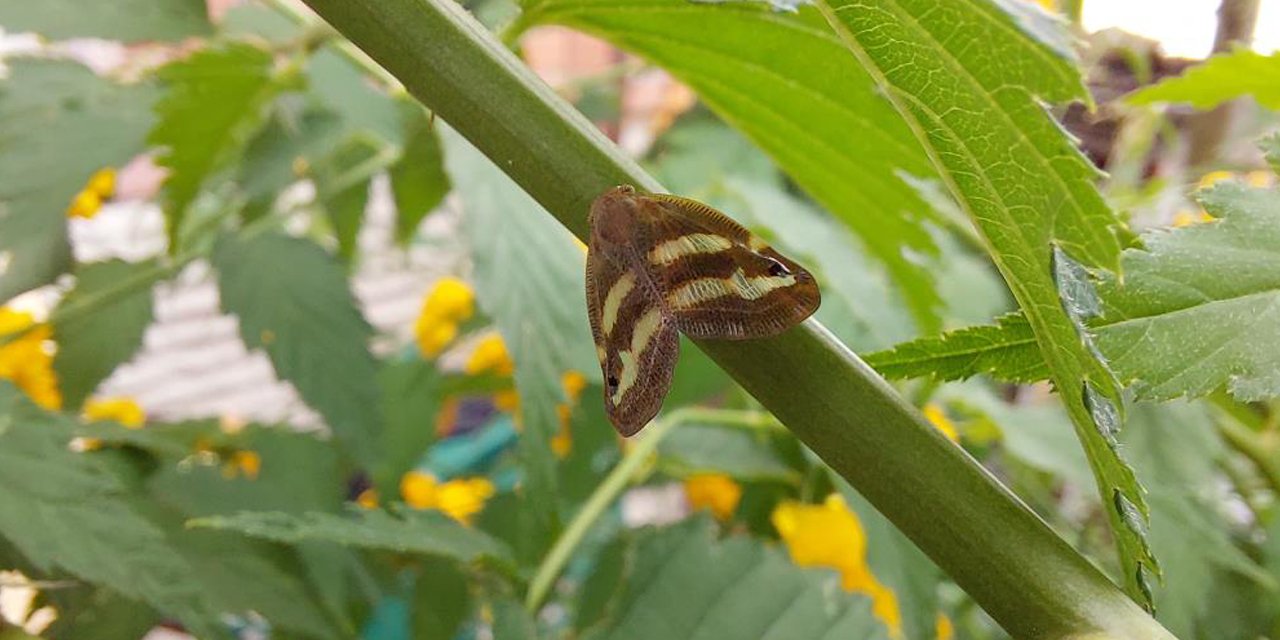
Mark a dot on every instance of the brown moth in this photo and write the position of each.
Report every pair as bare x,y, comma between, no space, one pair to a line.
658,264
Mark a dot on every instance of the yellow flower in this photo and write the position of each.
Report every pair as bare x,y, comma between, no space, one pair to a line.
715,491
1260,178
122,410
245,462
507,400
103,183
1214,177
25,361
368,499
1048,5
939,419
829,535
449,303
459,499
573,382
490,354
943,629
1186,218
85,205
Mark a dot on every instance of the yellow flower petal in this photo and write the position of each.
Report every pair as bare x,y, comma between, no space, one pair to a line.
26,362
943,628
85,205
103,183
419,490
122,410
464,498
1213,177
573,382
562,441
938,418
368,499
507,400
829,535
715,491
248,463
490,355
450,302
433,338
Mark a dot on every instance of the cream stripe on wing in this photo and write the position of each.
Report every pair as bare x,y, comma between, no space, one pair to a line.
646,328
696,292
613,301
688,245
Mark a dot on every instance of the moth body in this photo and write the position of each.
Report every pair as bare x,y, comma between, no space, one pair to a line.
658,265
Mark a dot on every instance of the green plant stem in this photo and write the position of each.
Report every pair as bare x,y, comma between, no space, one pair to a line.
600,500
1252,446
986,539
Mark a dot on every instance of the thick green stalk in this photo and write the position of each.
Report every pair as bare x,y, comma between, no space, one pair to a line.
987,540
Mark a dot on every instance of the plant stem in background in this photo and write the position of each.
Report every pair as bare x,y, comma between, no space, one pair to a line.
994,547
1237,20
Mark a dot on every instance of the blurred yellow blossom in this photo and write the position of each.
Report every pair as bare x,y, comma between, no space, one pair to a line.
1187,218
1213,177
507,400
490,355
938,417
829,535
1048,5
100,186
943,629
122,410
25,361
368,499
460,499
244,462
449,303
1260,178
573,383
715,491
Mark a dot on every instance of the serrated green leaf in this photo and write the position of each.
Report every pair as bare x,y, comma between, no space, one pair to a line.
342,188
61,510
292,139
340,86
217,100
1243,72
418,180
411,398
59,123
297,472
735,588
428,533
1200,307
741,453
127,20
91,346
529,275
1005,351
796,94
970,86
293,300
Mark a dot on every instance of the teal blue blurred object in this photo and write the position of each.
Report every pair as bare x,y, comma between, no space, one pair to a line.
471,453
389,620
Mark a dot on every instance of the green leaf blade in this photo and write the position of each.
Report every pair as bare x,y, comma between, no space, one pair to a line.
293,301
59,123
216,102
428,533
129,20
737,588
1223,77
1199,308
91,346
1005,351
968,82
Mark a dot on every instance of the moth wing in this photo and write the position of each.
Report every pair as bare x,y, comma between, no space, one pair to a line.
636,339
734,288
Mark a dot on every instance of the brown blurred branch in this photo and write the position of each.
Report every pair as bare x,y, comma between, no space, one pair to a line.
1237,20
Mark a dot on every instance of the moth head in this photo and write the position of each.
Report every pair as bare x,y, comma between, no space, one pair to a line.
613,214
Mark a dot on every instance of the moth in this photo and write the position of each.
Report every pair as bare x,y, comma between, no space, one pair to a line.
661,264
